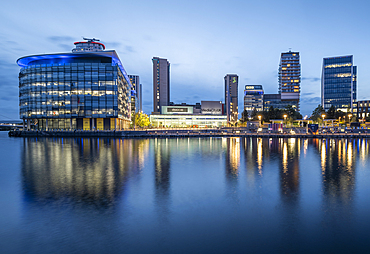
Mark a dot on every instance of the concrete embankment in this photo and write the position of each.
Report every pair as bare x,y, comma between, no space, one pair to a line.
175,134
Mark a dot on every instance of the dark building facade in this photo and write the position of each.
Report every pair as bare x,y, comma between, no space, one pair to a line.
161,84
361,109
231,97
136,104
86,89
338,83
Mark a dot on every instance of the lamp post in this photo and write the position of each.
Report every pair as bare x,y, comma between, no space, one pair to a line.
323,118
285,116
259,118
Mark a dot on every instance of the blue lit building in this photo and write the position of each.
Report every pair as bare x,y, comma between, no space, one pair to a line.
87,89
338,83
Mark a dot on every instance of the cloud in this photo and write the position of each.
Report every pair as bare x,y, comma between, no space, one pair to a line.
65,47
307,94
311,79
113,44
60,38
147,38
129,49
311,100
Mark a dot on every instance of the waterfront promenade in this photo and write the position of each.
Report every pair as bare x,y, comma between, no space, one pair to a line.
174,133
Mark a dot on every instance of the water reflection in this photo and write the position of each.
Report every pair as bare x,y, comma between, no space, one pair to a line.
338,163
232,158
92,171
168,191
289,172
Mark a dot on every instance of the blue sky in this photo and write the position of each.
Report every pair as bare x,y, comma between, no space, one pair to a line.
203,40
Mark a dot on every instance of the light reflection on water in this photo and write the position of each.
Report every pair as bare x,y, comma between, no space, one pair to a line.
190,195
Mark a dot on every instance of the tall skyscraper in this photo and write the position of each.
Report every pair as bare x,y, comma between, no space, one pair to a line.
135,93
161,83
231,97
290,79
141,98
253,98
338,83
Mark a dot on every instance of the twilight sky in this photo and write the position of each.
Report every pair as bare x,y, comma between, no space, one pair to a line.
203,40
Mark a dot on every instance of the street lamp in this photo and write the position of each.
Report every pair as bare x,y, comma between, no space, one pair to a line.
323,118
285,116
259,118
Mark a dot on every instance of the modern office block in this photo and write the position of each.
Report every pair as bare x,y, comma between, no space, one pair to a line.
253,98
290,78
231,97
86,89
361,109
161,83
338,83
135,93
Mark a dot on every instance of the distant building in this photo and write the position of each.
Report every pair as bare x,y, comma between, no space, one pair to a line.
231,97
87,89
161,83
361,109
253,98
184,115
338,83
135,94
290,79
273,100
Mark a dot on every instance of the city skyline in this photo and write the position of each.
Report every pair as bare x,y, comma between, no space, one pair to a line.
200,55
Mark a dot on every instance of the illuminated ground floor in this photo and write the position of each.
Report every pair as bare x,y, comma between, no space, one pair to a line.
76,124
200,121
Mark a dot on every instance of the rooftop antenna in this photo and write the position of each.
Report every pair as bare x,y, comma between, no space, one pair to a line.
90,40
290,49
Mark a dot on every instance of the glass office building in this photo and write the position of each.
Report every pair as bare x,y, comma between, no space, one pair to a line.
253,98
338,83
87,89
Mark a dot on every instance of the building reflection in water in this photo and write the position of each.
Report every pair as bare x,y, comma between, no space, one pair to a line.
162,161
255,151
82,170
338,157
289,173
232,158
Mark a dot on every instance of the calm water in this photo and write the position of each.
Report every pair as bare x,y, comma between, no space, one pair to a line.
219,195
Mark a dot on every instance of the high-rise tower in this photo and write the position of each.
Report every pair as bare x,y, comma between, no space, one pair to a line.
231,97
135,93
338,83
161,83
290,79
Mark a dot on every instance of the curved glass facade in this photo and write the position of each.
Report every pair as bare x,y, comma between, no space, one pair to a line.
74,91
